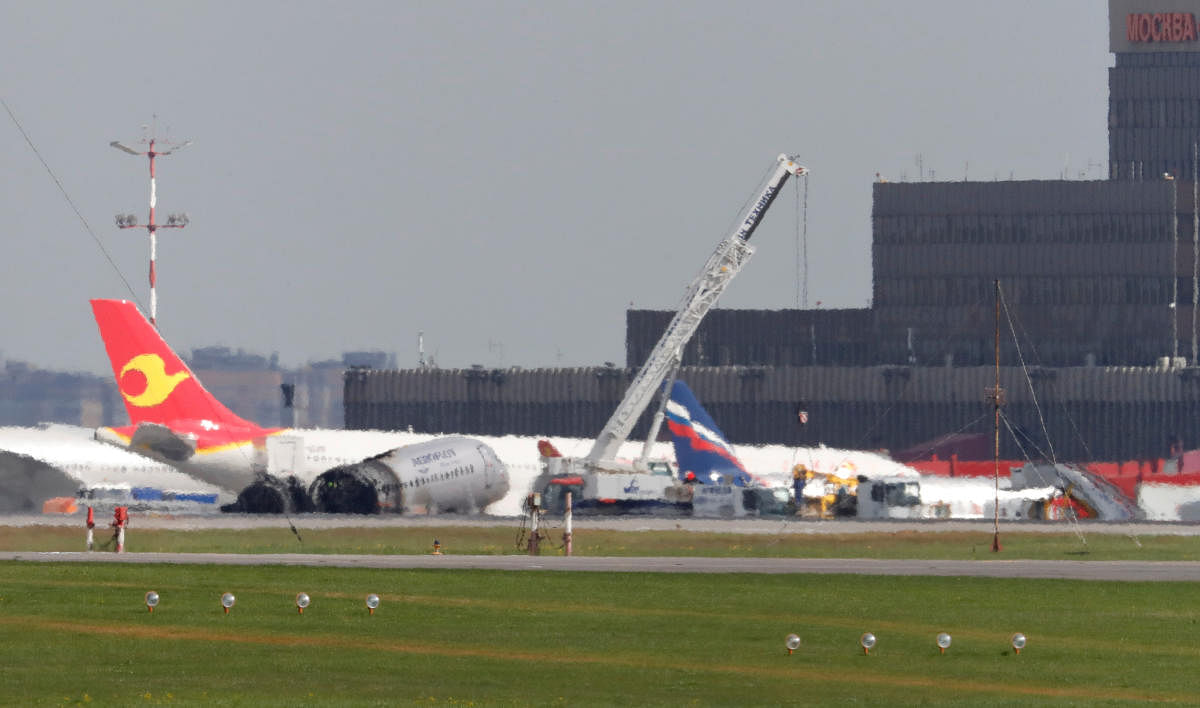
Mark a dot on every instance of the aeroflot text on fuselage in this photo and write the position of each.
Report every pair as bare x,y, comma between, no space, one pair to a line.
432,457
1160,27
424,477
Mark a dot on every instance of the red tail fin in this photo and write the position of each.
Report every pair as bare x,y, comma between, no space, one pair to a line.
546,449
155,383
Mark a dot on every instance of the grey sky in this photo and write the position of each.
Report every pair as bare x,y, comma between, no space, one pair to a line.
507,177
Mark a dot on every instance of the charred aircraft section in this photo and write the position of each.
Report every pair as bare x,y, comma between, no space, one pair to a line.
270,495
368,487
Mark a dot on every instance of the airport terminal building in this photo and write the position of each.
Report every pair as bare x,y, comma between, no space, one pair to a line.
1099,272
1099,275
1084,265
1091,413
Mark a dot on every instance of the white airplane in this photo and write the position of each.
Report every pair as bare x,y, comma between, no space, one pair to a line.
177,421
65,462
272,470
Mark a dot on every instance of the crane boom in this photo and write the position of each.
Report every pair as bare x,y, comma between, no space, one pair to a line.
725,262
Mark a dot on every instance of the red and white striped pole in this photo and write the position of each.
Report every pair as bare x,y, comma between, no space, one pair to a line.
91,524
152,228
174,221
120,520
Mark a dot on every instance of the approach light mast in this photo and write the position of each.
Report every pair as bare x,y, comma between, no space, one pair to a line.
174,221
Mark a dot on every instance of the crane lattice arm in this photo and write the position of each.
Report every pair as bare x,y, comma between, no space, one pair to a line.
729,257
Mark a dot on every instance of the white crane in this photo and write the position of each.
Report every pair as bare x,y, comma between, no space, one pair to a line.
729,258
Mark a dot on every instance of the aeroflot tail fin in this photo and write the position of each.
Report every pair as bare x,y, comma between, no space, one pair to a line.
156,385
547,449
700,446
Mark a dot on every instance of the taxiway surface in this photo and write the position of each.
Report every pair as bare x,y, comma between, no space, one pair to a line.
1068,570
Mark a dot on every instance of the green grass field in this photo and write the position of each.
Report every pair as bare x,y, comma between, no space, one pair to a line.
79,633
503,540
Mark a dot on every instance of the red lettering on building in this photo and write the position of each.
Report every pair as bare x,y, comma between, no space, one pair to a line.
1160,27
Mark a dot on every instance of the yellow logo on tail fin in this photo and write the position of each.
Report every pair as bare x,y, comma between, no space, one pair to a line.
158,384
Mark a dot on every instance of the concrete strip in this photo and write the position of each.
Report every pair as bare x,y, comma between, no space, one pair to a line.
1130,571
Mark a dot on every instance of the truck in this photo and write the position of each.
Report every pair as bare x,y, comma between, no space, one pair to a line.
931,497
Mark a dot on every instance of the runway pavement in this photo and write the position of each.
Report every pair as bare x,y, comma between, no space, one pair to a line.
1069,570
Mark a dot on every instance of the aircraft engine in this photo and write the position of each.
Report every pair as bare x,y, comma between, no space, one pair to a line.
368,487
271,495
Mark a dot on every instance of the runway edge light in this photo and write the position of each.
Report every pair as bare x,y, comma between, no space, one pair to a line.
372,602
792,642
867,641
227,601
943,641
1018,642
151,600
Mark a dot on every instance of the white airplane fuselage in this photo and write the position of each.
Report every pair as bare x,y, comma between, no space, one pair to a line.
430,472
65,461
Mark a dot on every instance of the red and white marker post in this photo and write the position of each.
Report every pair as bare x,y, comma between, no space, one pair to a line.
120,521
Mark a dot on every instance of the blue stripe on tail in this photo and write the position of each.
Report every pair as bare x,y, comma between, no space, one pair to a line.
700,446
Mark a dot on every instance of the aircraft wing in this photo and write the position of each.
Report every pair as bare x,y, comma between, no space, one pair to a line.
164,442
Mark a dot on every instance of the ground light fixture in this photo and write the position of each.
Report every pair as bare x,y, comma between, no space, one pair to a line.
943,641
867,640
792,642
302,601
151,600
372,602
227,601
1018,642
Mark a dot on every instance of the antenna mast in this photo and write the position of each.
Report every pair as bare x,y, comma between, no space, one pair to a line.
174,221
